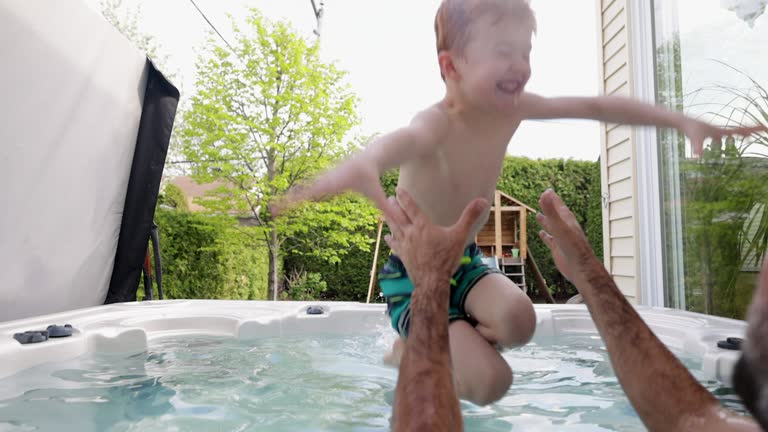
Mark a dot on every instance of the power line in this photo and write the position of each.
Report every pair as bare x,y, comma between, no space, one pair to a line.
318,12
212,26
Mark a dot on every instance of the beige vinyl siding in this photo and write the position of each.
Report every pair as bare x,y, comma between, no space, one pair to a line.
620,230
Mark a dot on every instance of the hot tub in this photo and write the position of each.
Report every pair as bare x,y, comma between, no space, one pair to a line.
238,365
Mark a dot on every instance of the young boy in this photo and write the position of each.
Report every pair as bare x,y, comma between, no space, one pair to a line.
452,153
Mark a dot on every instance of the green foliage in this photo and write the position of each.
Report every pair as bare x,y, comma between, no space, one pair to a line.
725,222
173,196
209,257
303,286
329,230
593,226
126,21
722,206
720,196
264,119
347,280
525,179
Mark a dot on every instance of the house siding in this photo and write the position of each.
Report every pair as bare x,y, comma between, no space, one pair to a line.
618,164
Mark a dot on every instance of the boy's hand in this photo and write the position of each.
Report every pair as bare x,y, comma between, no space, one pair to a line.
697,131
350,176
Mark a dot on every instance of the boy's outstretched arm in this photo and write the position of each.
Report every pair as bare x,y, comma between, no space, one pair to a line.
616,109
361,172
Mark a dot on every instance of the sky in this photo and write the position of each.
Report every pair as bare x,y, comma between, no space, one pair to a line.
388,49
710,33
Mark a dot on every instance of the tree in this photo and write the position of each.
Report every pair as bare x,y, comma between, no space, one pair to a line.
174,197
207,257
126,21
266,116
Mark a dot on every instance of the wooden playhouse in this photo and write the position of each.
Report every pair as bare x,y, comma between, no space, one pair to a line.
504,238
504,242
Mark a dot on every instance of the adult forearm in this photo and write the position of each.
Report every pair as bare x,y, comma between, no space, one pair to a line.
425,398
661,389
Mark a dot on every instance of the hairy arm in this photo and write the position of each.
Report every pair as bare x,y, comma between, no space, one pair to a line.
663,392
425,397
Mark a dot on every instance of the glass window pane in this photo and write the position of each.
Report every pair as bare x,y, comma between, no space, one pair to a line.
711,64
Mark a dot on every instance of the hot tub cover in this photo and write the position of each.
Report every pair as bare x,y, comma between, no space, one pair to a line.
85,125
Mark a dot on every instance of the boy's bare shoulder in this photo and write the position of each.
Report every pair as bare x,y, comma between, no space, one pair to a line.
432,114
433,121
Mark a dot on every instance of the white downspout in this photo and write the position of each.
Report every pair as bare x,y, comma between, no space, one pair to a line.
649,217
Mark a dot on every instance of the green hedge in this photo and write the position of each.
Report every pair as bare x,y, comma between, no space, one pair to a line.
210,257
578,182
721,234
174,197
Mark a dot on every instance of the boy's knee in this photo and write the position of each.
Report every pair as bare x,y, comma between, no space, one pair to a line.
490,384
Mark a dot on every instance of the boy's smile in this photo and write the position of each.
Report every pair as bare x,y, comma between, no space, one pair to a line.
510,87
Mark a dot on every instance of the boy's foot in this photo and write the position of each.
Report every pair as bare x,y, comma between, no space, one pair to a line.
393,357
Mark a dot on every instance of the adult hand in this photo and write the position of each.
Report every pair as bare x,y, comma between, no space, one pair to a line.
565,239
750,375
756,346
425,248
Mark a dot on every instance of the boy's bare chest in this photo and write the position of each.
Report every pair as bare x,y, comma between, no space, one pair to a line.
460,170
469,163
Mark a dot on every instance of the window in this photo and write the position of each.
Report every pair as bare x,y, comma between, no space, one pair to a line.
710,63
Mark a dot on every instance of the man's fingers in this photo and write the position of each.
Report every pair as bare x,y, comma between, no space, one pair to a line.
472,212
543,221
762,284
550,206
401,218
396,230
398,221
565,213
408,205
549,241
389,207
394,244
395,217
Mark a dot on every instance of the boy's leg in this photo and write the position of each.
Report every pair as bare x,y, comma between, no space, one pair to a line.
392,358
503,311
482,375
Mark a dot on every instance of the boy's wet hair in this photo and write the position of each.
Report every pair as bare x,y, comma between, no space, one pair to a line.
455,17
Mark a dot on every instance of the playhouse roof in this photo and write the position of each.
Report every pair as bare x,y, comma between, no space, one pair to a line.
515,201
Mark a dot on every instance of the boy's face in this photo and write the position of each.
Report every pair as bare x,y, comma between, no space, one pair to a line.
495,66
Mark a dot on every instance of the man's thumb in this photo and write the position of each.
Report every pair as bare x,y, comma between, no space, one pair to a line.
470,215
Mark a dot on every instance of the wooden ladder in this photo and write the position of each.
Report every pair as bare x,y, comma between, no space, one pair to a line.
514,269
